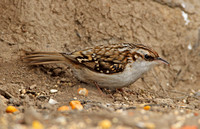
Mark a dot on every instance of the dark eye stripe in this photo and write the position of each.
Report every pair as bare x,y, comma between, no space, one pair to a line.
148,57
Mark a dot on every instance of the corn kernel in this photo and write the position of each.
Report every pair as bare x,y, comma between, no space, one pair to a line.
75,104
83,91
37,125
105,124
63,108
11,109
147,107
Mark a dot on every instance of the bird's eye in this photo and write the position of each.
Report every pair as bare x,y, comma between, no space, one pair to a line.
147,57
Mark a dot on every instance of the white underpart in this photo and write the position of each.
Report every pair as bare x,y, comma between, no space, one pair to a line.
131,73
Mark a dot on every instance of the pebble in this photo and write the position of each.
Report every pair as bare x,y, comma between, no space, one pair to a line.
119,110
126,98
32,86
53,90
22,91
61,120
197,94
189,115
184,101
115,120
57,71
52,101
178,125
69,84
147,125
142,111
117,95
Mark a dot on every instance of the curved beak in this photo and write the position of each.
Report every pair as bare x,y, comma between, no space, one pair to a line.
162,61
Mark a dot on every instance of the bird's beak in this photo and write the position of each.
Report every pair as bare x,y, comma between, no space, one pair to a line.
162,61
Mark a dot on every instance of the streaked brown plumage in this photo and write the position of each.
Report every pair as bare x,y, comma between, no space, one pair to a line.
105,65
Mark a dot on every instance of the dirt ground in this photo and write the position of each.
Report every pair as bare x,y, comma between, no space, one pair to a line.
173,93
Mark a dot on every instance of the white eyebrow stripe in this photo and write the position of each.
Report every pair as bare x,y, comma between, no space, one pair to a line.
122,49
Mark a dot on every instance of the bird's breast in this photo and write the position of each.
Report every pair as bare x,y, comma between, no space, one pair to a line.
115,80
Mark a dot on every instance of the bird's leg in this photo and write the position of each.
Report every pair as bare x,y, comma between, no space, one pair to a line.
98,88
120,89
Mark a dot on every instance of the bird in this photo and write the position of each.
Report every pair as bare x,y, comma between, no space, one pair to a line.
111,66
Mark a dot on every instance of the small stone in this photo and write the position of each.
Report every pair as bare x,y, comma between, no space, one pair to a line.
142,111
61,120
184,101
147,125
32,86
177,125
52,101
53,90
57,71
119,110
126,98
69,84
118,97
115,120
22,91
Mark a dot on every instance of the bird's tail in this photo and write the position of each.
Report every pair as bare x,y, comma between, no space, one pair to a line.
38,58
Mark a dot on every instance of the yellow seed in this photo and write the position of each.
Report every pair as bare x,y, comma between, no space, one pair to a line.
75,104
147,107
11,109
83,91
150,125
105,124
63,108
37,125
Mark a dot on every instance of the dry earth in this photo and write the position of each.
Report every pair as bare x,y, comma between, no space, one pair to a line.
68,25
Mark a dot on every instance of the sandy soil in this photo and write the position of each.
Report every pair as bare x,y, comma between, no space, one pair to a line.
68,25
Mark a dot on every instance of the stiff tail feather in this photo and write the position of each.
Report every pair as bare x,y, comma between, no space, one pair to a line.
39,58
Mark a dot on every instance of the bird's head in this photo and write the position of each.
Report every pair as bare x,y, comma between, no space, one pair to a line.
147,57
